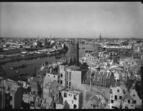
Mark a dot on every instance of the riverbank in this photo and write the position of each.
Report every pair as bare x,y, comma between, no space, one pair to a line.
28,57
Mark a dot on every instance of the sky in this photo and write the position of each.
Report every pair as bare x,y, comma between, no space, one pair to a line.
71,19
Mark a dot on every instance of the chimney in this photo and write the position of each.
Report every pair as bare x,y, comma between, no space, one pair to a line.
51,69
77,56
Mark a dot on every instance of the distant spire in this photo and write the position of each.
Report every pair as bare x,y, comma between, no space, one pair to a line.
100,37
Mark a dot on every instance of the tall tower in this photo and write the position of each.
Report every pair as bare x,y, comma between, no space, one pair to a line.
77,53
74,52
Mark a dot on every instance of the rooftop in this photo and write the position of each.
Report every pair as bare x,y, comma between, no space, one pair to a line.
73,91
75,68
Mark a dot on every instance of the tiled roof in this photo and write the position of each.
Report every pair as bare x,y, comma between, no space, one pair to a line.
127,96
94,98
130,84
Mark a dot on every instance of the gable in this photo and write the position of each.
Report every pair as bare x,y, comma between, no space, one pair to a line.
134,94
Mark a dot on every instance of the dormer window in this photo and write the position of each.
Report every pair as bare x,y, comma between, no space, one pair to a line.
75,97
124,91
115,97
111,91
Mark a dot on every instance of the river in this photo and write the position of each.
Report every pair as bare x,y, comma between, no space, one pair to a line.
37,62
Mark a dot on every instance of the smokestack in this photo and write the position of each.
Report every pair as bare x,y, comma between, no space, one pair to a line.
77,54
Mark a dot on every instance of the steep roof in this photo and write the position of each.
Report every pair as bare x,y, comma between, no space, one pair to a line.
94,98
112,80
66,105
127,96
130,84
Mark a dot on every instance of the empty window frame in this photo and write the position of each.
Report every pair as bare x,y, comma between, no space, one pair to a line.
65,94
134,101
111,91
126,107
74,106
114,107
61,82
112,101
69,84
69,75
115,97
75,97
94,106
124,91
120,97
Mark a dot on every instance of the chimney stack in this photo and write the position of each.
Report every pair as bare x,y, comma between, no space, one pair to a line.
51,69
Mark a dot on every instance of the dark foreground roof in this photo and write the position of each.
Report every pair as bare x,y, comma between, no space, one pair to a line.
2,72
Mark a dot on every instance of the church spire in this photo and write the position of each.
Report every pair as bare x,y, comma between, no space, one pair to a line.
100,37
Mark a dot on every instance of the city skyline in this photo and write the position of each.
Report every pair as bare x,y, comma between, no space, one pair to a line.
69,19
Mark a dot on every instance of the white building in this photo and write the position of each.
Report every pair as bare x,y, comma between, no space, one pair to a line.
116,95
51,77
127,102
62,76
73,98
137,100
70,77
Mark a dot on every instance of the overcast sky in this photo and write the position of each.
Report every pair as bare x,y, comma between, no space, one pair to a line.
61,19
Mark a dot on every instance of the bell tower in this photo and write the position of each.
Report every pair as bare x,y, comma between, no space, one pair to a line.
74,52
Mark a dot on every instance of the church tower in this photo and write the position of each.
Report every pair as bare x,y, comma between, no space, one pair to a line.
74,52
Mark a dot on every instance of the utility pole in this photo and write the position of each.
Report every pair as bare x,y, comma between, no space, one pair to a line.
90,80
